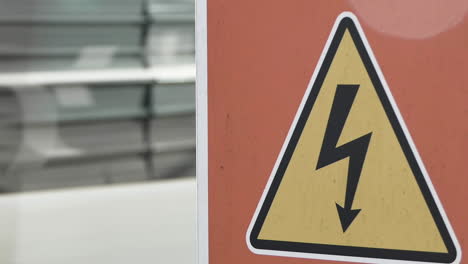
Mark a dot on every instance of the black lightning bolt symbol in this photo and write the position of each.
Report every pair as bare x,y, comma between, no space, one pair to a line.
356,150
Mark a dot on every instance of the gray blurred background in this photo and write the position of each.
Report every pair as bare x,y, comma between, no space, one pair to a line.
97,131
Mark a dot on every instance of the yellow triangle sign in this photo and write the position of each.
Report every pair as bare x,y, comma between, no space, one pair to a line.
349,184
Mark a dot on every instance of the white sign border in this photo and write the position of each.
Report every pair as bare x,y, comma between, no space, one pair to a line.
350,15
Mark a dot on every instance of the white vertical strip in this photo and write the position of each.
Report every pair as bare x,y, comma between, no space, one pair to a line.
202,131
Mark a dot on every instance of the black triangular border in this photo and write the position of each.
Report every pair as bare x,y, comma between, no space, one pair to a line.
349,251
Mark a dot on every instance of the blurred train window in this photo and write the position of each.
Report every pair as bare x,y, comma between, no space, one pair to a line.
97,131
95,92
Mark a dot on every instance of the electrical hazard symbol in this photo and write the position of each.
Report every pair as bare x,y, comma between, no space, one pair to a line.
349,184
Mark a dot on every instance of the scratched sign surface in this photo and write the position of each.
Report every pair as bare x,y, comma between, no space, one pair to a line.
336,132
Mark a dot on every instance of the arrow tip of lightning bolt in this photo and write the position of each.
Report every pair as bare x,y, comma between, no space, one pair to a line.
347,216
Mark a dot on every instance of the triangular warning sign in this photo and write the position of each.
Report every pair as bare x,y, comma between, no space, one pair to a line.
349,184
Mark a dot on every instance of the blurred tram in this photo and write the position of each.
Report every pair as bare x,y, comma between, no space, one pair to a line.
97,145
